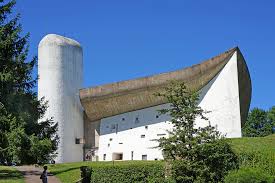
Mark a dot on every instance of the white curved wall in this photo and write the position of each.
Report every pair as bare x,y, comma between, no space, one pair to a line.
60,78
121,134
221,98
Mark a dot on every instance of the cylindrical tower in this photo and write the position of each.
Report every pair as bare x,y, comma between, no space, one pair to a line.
60,78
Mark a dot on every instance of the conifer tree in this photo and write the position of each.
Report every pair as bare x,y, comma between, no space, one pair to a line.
22,138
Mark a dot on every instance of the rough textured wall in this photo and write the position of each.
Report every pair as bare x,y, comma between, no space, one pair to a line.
60,78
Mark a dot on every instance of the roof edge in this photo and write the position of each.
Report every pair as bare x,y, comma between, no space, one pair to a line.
109,89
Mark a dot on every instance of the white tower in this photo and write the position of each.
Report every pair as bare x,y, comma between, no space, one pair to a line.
60,78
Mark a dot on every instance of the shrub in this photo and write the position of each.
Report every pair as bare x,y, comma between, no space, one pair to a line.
120,173
249,175
211,163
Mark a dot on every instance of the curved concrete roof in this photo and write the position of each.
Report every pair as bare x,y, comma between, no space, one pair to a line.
54,39
120,97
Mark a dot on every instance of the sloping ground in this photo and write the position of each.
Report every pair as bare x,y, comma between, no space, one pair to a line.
10,175
253,152
256,152
246,144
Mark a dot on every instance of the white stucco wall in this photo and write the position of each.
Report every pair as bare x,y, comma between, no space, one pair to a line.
60,78
131,138
220,96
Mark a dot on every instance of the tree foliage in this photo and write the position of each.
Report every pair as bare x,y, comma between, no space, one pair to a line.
259,123
197,154
20,109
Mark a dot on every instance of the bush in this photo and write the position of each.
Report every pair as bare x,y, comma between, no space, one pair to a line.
249,175
211,163
120,173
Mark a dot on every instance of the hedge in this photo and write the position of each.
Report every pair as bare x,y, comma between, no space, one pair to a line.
120,173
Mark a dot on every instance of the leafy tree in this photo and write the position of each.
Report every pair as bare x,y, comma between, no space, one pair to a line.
20,132
259,123
271,118
197,154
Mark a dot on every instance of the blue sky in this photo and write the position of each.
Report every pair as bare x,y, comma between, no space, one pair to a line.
125,39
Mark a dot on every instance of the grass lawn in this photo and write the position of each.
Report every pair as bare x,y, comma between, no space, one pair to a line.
10,175
70,172
256,152
252,144
253,152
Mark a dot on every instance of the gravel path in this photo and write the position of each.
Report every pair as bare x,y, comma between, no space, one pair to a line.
32,174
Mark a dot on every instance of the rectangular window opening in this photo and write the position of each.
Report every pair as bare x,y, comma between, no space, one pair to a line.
161,134
77,141
116,128
144,157
136,120
117,156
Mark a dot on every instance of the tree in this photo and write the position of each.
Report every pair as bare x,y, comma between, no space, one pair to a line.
259,123
196,154
271,118
20,108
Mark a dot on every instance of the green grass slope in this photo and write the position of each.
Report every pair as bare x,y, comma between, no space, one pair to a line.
10,175
258,152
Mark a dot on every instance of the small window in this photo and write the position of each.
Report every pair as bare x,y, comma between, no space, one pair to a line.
111,139
146,127
156,159
131,128
117,156
123,119
116,128
136,120
157,116
104,156
144,157
77,141
161,134
120,143
142,136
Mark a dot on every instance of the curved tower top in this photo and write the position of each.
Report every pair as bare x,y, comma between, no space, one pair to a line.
54,39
